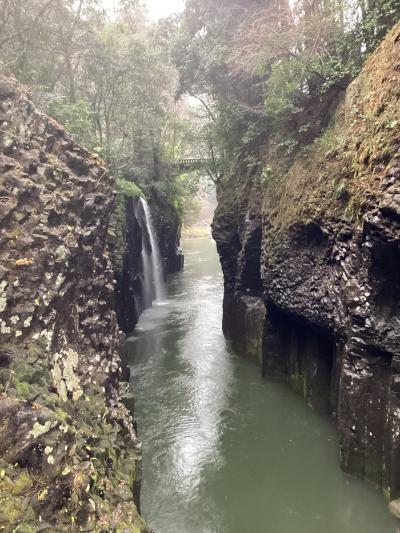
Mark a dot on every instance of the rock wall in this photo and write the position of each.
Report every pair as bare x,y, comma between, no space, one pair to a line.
315,250
167,224
69,456
126,246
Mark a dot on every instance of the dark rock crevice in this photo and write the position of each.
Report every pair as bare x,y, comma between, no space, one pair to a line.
128,290
305,355
250,275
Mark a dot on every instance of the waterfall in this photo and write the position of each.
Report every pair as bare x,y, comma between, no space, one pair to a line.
153,276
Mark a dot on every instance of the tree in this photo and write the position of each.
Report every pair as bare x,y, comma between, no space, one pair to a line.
110,82
274,69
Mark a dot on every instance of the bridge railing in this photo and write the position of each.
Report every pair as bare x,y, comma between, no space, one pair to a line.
192,161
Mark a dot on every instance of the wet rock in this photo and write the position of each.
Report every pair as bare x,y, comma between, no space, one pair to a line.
327,276
28,432
168,228
244,318
68,442
125,240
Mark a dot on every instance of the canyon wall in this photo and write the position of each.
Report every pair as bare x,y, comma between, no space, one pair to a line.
69,456
167,224
126,248
310,251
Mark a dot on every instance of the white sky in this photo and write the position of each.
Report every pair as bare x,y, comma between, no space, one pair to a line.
156,8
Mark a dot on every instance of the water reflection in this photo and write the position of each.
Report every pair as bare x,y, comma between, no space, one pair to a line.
180,344
225,450
207,386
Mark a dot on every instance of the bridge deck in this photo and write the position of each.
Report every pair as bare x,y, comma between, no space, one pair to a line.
193,160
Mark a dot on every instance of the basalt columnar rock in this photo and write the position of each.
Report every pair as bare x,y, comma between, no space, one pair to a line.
69,456
125,238
167,224
310,252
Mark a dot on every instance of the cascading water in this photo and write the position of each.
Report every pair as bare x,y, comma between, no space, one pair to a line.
153,277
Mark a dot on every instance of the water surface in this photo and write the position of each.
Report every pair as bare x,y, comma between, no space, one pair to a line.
226,451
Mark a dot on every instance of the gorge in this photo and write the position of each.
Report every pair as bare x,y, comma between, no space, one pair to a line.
249,383
153,275
308,273
69,454
225,449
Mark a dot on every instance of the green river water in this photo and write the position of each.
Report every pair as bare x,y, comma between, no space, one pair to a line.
224,450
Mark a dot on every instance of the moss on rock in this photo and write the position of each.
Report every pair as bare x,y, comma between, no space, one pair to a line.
69,456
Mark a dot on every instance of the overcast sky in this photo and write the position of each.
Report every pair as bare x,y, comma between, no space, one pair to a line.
156,8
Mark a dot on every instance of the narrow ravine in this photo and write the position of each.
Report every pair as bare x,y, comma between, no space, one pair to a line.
226,451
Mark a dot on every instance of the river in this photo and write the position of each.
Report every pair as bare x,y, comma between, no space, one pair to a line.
224,450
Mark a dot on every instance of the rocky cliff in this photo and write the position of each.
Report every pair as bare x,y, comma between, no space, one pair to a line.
69,457
126,244
310,250
167,224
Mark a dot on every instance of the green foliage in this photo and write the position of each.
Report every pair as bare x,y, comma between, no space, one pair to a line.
289,145
177,191
108,81
24,391
76,117
192,211
377,17
259,71
329,143
129,188
284,85
275,71
188,183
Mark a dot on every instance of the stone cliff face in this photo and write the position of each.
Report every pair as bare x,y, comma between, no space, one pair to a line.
69,457
168,227
311,261
126,245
